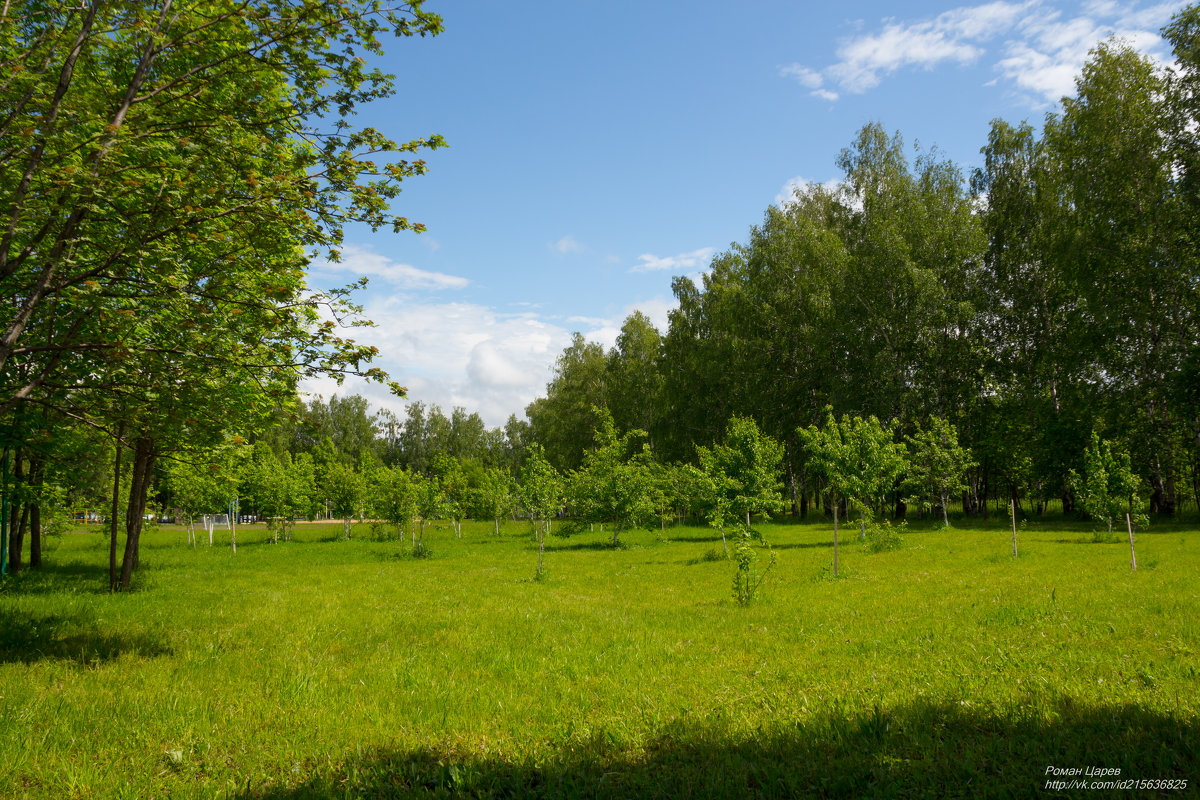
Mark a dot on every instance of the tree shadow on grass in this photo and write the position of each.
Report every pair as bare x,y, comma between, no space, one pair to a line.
920,750
32,638
54,577
565,545
804,545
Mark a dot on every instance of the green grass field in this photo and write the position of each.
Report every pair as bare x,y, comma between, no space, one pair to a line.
323,668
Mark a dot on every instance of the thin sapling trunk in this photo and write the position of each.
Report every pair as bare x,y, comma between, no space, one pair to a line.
1132,553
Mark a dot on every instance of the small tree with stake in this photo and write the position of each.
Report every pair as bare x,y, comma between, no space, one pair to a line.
858,459
613,486
541,494
743,474
1108,485
936,464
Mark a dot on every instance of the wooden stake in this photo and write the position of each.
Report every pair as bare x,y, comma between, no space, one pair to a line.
1132,554
1012,508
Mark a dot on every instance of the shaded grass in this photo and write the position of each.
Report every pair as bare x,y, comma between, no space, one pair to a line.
925,749
320,668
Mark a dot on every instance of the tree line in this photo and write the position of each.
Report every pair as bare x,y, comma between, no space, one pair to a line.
1048,296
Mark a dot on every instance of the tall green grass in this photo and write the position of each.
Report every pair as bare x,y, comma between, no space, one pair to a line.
324,668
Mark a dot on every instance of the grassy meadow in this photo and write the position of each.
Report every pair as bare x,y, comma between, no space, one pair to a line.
321,668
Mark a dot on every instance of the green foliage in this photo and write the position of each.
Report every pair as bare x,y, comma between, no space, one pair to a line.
937,464
747,579
858,457
564,420
495,497
883,537
345,489
396,496
615,484
743,472
541,494
1108,487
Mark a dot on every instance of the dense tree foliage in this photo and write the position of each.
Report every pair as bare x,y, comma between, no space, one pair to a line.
990,323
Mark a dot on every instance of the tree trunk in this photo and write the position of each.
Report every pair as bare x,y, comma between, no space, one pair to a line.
116,506
35,536
16,538
945,505
139,488
37,471
541,544
18,517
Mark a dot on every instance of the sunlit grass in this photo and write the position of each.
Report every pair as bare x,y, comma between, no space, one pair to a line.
320,667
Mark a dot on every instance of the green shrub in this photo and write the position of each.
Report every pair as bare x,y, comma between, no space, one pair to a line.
883,537
746,579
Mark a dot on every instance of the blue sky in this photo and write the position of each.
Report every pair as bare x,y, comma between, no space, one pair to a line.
599,148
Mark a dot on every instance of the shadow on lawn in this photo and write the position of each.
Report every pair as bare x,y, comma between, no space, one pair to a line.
946,750
55,577
33,638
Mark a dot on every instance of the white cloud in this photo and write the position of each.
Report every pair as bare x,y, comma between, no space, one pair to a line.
801,184
803,75
358,261
677,263
474,356
1049,56
954,36
460,354
566,244
1035,45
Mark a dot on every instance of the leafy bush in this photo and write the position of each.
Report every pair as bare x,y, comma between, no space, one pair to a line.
883,537
746,579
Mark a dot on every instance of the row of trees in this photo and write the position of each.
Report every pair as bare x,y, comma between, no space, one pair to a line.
1050,296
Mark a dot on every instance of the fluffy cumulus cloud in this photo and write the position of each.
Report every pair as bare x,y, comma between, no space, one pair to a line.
1037,46
484,359
683,262
358,261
